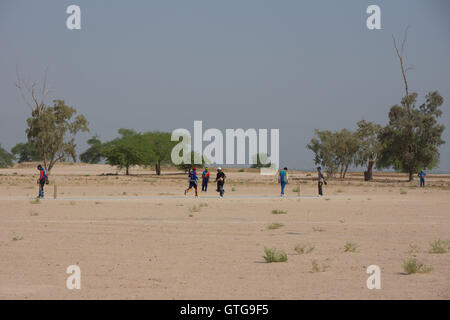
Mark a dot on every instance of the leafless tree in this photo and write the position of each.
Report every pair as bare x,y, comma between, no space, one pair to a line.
30,95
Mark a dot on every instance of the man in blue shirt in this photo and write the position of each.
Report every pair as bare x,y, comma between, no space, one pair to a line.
283,179
43,179
422,178
192,182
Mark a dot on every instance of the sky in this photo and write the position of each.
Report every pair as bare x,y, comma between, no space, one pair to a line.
161,64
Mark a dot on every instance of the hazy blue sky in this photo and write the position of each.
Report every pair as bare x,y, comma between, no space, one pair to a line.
161,64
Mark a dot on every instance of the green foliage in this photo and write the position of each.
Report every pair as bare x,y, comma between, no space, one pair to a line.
129,150
369,145
439,246
26,152
413,265
412,137
261,160
334,150
161,146
304,248
5,158
274,255
186,167
52,131
94,153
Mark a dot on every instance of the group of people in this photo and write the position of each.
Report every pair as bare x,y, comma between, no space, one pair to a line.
193,181
283,179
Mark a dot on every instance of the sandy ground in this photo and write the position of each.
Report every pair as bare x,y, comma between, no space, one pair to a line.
135,238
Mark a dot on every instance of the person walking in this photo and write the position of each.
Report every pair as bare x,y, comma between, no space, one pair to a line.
321,180
42,181
205,179
220,179
422,175
283,179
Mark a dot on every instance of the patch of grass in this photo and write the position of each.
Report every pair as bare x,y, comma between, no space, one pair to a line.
350,247
413,265
339,190
35,201
304,248
315,267
439,246
72,203
413,248
296,189
233,189
275,225
403,191
16,238
274,255
277,211
241,170
98,202
318,229
308,174
34,214
194,209
412,187
203,205
327,199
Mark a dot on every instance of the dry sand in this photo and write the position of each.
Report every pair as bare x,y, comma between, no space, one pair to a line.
135,238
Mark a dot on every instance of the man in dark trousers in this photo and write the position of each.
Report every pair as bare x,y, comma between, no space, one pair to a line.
205,179
43,179
321,180
220,179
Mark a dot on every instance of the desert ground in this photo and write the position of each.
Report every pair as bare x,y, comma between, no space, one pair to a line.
138,237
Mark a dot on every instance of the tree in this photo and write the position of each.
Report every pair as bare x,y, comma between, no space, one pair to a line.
26,152
412,138
53,131
369,147
186,167
128,150
258,162
324,151
161,146
5,158
346,146
94,153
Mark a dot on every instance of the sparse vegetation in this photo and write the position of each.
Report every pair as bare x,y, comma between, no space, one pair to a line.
274,255
277,211
35,201
318,229
403,191
439,246
413,248
296,189
34,214
17,238
194,209
203,204
304,248
413,265
350,247
315,267
274,225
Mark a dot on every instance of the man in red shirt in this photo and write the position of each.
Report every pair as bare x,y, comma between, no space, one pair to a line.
205,179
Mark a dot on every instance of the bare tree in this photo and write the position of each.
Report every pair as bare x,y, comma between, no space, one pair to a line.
404,68
29,95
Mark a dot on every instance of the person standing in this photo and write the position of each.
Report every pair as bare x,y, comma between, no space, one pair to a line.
422,178
205,179
321,180
192,182
283,179
43,179
220,179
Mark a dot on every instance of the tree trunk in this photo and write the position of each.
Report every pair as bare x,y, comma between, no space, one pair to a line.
127,171
158,167
368,174
345,171
411,176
